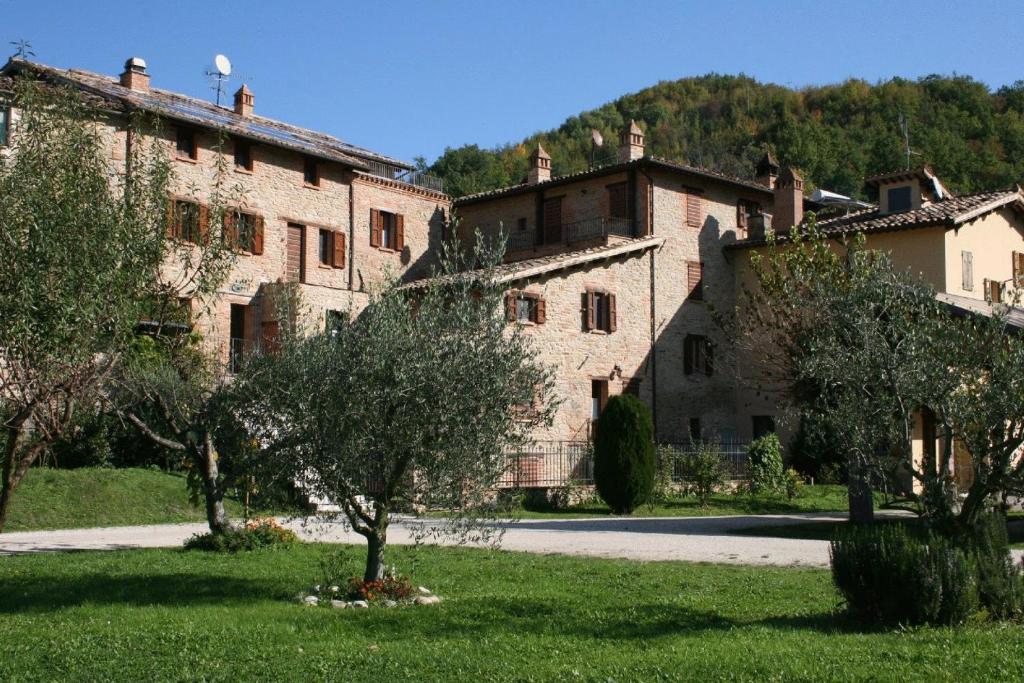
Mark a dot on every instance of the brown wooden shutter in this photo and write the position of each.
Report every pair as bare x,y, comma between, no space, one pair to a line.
588,311
510,305
204,224
1018,267
231,221
603,399
399,232
540,311
172,222
257,235
612,322
375,230
339,249
695,280
693,208
741,214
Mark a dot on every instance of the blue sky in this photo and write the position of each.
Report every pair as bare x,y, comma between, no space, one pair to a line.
409,78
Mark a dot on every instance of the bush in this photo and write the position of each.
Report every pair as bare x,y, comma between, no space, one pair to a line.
702,471
889,573
624,454
814,452
258,533
764,458
794,483
668,460
1000,589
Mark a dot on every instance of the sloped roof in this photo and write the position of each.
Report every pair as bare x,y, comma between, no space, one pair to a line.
521,270
199,112
646,161
949,212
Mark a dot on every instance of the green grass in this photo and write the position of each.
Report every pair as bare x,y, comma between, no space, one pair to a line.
61,499
826,531
159,615
818,498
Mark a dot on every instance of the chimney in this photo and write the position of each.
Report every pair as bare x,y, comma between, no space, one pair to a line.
789,200
244,101
767,171
135,76
540,167
631,143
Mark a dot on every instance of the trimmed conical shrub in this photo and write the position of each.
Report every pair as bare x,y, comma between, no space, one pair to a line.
624,454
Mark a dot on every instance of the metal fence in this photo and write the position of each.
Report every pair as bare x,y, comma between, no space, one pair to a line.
402,175
546,464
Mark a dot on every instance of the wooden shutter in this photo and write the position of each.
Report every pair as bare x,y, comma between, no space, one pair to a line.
552,220
967,270
510,305
375,228
399,232
339,249
1018,267
204,224
257,235
694,208
688,355
995,291
540,310
172,219
603,398
231,221
612,322
695,280
588,311
741,214
709,356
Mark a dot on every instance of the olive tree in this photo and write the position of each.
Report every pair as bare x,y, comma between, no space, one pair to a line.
416,401
80,244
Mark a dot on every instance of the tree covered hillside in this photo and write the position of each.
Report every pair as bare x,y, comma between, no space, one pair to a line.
836,134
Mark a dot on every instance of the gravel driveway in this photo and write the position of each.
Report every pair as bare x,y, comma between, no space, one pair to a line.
691,539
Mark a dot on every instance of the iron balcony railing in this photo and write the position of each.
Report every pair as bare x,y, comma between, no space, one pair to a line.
569,233
403,175
546,464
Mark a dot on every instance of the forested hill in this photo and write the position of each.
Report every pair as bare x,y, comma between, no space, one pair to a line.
835,134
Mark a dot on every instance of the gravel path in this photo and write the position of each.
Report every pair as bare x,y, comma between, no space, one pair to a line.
691,539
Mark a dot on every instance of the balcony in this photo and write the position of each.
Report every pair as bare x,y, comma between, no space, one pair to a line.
403,175
598,228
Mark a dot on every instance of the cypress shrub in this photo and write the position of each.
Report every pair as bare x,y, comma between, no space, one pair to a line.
624,464
765,461
1000,589
889,573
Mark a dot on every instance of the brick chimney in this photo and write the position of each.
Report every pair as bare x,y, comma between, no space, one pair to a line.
244,101
767,171
135,76
789,200
540,167
631,143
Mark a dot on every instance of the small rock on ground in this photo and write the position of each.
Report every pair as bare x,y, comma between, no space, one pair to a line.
360,604
339,604
427,600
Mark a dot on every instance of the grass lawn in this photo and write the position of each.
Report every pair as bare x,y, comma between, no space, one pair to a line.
61,499
159,615
817,498
826,531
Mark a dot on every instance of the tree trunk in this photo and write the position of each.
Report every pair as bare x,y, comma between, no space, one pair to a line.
216,516
862,504
14,468
375,544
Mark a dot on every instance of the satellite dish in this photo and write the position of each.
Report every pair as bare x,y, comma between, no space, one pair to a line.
223,65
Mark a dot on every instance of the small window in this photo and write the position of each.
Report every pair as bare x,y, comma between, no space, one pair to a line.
387,230
243,155
697,352
525,307
326,247
333,321
695,280
521,224
695,431
5,125
618,201
763,425
240,231
598,397
186,144
186,221
599,311
311,172
993,291
899,199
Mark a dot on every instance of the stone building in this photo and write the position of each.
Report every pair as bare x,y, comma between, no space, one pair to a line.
331,216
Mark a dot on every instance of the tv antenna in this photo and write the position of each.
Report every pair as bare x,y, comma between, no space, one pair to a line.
220,72
905,130
22,49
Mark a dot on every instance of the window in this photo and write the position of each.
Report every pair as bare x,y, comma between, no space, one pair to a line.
1018,269
243,155
618,200
599,311
899,199
967,268
695,429
763,425
387,230
525,307
187,220
326,247
311,172
993,291
694,207
521,224
598,397
334,320
695,280
236,351
697,355
244,231
5,125
295,253
186,143
744,210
